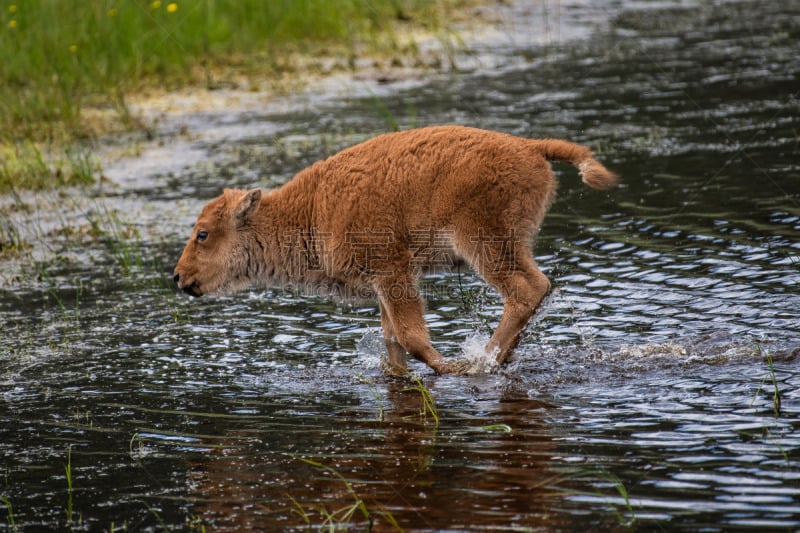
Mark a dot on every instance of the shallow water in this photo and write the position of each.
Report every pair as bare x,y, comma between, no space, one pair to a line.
642,397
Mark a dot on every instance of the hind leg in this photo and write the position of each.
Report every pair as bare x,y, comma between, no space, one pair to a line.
523,290
505,262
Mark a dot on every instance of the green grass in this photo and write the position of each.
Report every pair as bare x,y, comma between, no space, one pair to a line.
62,57
24,165
10,513
602,481
156,515
58,231
776,392
68,472
428,401
69,67
125,245
12,244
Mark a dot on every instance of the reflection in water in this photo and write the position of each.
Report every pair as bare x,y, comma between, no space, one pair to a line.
644,391
461,474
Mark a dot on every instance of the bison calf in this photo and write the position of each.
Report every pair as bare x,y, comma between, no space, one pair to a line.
368,221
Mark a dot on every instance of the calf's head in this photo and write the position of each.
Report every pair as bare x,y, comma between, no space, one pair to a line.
216,257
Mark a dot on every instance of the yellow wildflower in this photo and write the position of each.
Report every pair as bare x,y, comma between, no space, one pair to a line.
155,5
12,8
12,23
172,8
112,12
73,48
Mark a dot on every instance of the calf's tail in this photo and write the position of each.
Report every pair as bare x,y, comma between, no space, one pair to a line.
593,173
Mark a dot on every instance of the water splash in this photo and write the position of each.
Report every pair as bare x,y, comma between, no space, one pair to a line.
473,359
478,360
371,349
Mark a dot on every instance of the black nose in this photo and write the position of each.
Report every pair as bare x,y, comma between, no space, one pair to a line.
191,290
176,278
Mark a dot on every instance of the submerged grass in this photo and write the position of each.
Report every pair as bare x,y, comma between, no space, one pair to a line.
428,401
68,472
376,393
776,392
156,515
9,513
619,486
43,241
340,519
125,246
603,479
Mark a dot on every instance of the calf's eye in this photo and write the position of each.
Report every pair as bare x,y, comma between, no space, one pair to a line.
202,235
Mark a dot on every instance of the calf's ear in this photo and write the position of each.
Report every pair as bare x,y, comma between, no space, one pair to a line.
248,205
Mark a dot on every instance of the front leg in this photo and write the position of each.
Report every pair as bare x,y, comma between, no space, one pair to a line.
402,308
397,354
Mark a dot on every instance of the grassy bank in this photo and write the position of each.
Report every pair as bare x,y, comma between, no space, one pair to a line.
67,66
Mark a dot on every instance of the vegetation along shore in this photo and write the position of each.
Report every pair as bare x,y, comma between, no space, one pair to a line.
70,69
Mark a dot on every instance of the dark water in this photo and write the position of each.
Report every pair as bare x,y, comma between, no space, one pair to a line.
642,398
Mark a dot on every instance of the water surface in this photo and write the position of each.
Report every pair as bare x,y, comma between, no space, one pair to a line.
642,397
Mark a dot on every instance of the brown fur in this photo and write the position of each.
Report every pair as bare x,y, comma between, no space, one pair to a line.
368,221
